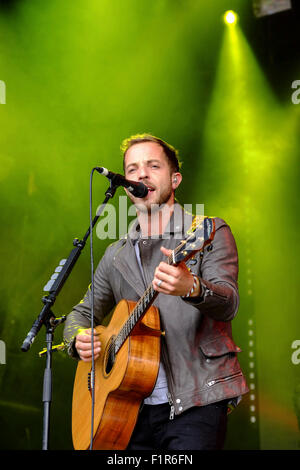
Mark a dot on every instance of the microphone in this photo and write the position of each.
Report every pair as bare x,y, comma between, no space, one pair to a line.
135,188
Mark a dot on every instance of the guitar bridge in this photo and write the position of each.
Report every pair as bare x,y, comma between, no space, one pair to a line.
90,381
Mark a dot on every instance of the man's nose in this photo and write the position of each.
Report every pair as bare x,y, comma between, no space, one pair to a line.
143,173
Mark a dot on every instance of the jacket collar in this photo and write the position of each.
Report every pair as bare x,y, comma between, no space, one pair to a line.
179,223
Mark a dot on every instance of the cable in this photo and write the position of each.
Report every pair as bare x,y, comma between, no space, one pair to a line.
92,313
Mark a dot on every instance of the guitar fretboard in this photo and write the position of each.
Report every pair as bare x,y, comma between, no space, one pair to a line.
141,308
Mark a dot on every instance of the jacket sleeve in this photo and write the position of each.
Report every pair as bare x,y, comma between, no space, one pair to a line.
219,276
104,301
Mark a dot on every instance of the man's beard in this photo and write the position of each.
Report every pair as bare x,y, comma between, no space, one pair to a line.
156,206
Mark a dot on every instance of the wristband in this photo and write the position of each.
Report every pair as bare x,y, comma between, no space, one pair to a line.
193,287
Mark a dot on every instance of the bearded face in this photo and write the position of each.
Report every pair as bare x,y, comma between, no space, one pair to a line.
146,162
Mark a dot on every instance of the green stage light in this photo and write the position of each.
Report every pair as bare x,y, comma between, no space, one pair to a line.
230,17
251,144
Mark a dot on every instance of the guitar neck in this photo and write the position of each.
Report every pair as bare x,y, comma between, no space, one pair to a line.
136,315
142,306
138,312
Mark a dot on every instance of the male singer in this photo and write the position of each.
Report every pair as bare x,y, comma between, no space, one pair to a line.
199,374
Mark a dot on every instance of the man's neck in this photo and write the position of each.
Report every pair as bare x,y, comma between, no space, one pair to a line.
154,223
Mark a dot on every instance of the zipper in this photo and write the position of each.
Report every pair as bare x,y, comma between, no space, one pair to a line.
168,370
172,410
224,379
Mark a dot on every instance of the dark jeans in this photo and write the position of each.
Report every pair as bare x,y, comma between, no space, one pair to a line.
198,428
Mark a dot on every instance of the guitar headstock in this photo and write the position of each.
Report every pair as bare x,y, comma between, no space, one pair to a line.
198,239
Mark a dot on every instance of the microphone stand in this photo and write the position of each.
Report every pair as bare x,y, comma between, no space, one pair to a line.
47,317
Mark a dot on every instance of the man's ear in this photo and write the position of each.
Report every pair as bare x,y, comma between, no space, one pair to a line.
176,180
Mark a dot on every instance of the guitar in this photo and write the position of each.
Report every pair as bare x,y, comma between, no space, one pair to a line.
126,370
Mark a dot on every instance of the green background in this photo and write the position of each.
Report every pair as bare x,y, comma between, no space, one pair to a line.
80,77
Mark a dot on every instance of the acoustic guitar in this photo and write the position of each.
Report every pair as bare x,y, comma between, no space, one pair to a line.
126,370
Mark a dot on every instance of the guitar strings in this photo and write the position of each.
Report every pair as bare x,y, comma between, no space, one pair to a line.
135,315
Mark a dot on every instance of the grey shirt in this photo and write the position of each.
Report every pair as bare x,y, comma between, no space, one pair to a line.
160,391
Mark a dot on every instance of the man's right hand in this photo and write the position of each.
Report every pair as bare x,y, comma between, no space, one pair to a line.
83,344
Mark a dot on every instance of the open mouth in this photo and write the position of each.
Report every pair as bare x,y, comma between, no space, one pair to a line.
150,189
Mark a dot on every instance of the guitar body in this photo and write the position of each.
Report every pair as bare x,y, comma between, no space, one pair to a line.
120,385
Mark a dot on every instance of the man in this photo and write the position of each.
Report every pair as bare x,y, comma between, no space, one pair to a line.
199,374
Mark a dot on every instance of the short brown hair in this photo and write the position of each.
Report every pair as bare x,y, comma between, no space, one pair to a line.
170,152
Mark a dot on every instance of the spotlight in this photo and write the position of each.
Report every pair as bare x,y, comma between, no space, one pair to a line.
230,17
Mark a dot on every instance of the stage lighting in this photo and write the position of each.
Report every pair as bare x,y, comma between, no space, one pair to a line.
230,17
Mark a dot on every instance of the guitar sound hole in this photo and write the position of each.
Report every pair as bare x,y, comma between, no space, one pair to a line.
109,359
110,363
